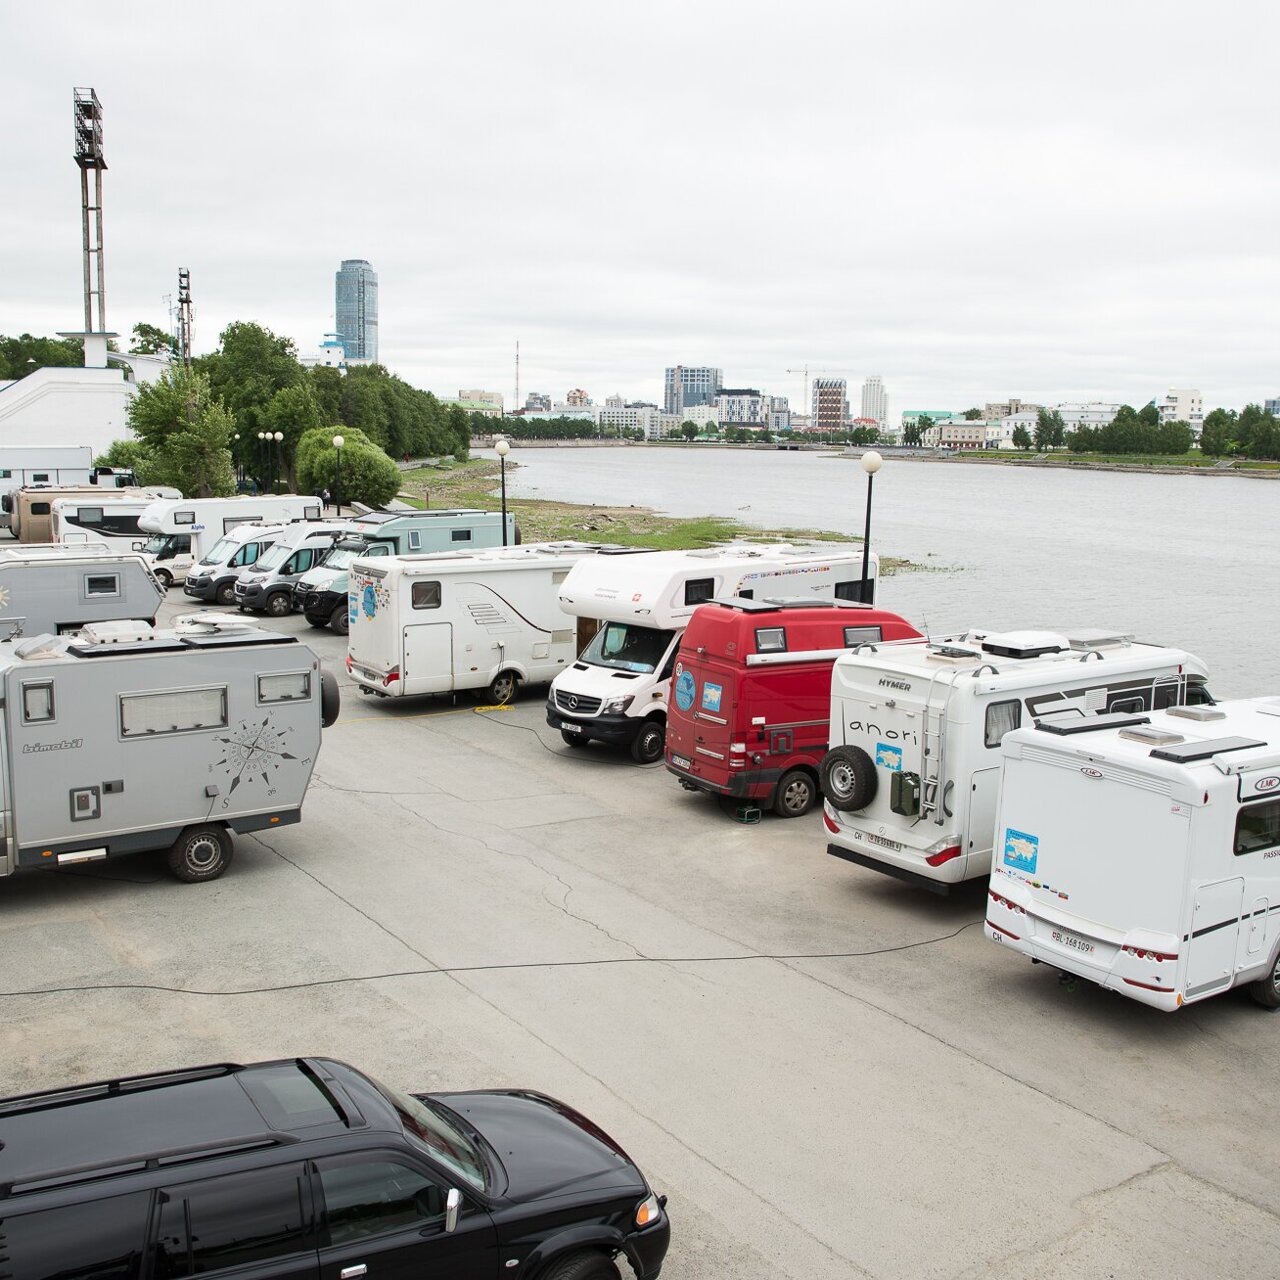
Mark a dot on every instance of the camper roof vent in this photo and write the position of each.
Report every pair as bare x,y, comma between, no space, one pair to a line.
1204,713
37,647
951,653
1024,644
1152,737
122,631
1097,638
1267,706
205,622
1192,751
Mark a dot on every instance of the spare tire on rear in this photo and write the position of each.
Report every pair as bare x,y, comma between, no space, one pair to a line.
330,698
848,778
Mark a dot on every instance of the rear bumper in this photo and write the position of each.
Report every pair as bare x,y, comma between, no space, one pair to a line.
741,784
616,729
941,887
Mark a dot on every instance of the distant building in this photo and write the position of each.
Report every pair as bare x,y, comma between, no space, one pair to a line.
1093,413
829,405
741,407
614,402
577,399
1183,404
779,414
1272,406
536,400
491,399
874,404
356,307
1000,430
473,406
647,418
330,354
701,415
1007,408
911,417
956,433
689,385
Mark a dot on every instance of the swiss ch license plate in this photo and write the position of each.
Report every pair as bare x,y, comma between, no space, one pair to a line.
1070,941
682,762
883,841
571,727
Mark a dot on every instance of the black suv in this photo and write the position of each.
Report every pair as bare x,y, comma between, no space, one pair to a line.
308,1168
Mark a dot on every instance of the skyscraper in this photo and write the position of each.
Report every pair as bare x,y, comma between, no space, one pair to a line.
356,307
830,411
689,385
874,404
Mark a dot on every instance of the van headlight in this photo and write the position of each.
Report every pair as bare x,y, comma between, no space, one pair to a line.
618,705
648,1212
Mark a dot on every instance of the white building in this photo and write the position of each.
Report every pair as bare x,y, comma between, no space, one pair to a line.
330,354
1000,430
701,415
1183,404
741,407
779,414
874,403
1092,413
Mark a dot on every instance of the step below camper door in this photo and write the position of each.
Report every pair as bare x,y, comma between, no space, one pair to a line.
1215,930
427,665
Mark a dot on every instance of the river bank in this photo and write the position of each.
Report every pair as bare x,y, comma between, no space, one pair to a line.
475,483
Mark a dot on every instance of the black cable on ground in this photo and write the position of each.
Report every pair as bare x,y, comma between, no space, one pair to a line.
572,754
493,968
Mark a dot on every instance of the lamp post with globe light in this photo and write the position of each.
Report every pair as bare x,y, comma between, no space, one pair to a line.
871,461
502,448
262,444
338,442
279,468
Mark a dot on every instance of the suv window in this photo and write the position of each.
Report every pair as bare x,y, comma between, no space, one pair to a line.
95,1240
364,1198
230,1221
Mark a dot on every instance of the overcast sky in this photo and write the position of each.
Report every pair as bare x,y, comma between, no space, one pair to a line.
972,200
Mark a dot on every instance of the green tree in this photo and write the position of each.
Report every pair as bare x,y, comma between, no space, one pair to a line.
1217,435
1051,431
1149,415
368,475
972,415
1022,437
1174,438
247,370
23,355
689,429
1083,440
186,432
292,411
148,340
911,435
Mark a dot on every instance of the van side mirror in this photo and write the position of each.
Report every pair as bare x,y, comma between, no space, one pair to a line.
452,1207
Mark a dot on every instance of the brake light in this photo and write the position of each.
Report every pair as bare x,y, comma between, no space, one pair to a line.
1006,902
738,748
348,662
992,925
830,823
1143,953
943,855
391,676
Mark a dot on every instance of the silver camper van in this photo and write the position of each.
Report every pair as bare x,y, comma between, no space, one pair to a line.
267,586
126,738
56,589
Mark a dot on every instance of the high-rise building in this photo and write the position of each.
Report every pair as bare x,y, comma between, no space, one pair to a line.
874,404
1183,404
830,405
578,399
356,306
1272,406
741,407
689,385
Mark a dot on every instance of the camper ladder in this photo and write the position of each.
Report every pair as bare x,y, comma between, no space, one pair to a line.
933,739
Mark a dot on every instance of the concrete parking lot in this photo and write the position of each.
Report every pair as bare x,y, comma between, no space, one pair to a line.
829,1073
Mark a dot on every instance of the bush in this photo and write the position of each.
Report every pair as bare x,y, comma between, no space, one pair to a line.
368,475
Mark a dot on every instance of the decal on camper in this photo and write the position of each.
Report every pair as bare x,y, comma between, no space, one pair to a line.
685,690
711,695
888,757
1021,850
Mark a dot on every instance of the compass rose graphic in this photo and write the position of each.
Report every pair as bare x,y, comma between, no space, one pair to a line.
253,752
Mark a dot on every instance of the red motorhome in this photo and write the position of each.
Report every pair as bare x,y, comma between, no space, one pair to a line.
751,693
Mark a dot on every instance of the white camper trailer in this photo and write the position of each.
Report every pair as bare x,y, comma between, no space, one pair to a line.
488,619
125,738
56,589
911,778
641,601
183,532
32,518
1143,852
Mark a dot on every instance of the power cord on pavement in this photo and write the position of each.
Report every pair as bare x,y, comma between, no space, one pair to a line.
572,754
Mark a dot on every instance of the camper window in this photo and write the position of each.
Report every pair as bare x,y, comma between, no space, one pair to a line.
39,477
87,515
230,522
37,702
184,517
1001,718
862,635
415,540
101,584
1258,827
145,714
426,595
294,686
853,590
771,639
39,508
460,535
698,590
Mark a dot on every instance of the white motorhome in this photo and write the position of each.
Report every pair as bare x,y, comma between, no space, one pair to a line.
183,532
267,586
1143,852
56,589
633,606
483,620
39,466
911,778
213,577
107,519
126,738
31,516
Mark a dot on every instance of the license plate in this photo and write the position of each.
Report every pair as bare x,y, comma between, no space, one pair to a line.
681,762
883,841
570,727
1070,941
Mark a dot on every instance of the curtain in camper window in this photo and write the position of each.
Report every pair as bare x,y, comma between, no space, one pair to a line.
145,714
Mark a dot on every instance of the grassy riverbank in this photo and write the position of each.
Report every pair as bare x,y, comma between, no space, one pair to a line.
475,484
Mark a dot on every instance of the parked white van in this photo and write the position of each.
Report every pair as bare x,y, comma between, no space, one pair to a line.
911,778
267,585
488,619
633,606
213,577
182,532
1143,852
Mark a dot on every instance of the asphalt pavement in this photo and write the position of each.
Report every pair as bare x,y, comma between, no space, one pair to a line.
830,1073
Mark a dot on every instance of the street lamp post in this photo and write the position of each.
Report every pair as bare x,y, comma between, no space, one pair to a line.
262,436
338,442
502,448
235,458
275,475
871,461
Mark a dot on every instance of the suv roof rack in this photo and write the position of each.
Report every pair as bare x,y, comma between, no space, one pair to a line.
772,603
20,1104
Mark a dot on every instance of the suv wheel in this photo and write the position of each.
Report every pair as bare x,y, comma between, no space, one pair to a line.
201,853
226,593
583,1266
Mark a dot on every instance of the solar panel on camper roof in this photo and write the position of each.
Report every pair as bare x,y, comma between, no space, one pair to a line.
1190,751
1090,724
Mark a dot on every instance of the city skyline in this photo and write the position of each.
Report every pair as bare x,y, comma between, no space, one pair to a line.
1019,237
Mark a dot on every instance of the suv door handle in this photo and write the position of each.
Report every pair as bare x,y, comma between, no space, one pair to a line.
351,1273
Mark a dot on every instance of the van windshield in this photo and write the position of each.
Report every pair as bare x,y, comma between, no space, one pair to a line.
220,550
157,543
341,557
274,558
627,648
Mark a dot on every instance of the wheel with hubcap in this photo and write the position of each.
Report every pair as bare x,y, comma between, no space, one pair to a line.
584,1266
650,743
502,688
226,593
201,853
340,622
573,739
1266,991
795,795
164,578
279,604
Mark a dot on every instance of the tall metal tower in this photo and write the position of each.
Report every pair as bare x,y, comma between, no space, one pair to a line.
184,315
88,130
516,406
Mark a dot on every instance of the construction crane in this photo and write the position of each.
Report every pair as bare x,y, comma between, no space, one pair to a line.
807,371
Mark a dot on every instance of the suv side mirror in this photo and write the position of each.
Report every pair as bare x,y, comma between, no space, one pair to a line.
452,1207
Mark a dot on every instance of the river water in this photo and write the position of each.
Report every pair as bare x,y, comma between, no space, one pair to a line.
1178,560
